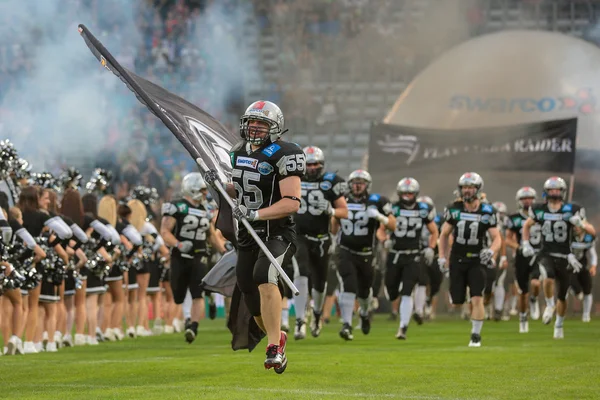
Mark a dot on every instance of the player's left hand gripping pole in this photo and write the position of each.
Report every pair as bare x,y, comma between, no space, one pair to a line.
252,232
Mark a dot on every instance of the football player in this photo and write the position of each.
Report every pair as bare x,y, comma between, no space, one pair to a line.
186,227
355,251
266,174
404,258
322,198
583,247
469,220
526,268
557,218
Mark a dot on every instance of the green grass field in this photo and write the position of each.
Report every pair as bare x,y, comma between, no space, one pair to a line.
435,363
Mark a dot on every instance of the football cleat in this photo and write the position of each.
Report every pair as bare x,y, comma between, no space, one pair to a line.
418,318
586,318
300,329
402,333
475,340
365,324
558,332
346,332
212,311
548,314
281,349
523,325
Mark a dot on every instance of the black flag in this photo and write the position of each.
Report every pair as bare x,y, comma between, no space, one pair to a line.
208,142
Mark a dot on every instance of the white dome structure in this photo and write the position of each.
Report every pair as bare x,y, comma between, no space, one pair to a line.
503,79
507,78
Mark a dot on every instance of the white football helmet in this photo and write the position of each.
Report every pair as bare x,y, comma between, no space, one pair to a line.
262,111
360,174
525,192
470,179
314,155
408,186
193,185
553,183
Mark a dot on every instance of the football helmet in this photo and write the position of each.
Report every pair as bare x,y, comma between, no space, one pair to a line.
314,155
555,183
471,179
500,207
356,175
193,185
524,193
264,111
408,186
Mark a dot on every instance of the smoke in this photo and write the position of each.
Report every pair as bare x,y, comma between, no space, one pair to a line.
60,102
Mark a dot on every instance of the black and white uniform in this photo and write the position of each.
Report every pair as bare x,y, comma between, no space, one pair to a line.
256,175
470,229
584,248
80,238
128,231
557,235
155,269
192,223
404,264
355,251
526,268
103,236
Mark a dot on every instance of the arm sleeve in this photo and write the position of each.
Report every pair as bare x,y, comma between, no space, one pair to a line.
60,228
101,229
5,229
115,238
79,233
158,242
26,238
133,235
592,256
148,229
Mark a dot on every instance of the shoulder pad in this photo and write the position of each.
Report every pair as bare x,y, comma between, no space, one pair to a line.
271,149
374,197
329,176
488,208
567,207
169,209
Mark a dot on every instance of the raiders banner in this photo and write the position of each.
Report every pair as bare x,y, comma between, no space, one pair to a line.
208,142
544,146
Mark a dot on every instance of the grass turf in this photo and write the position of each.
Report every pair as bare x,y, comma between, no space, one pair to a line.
434,363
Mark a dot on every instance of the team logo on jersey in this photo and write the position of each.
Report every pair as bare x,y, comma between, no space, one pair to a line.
271,149
423,212
539,214
485,218
246,162
182,207
487,208
329,176
265,168
325,185
567,207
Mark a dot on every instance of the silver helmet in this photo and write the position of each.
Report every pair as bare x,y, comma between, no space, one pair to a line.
405,186
192,186
360,174
525,192
264,111
314,155
470,179
553,183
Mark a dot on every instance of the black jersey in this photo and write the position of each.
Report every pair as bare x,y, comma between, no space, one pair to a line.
192,223
409,224
557,231
34,221
515,224
470,227
256,175
580,246
358,230
310,220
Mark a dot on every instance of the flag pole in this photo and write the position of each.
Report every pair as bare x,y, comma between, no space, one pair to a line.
571,187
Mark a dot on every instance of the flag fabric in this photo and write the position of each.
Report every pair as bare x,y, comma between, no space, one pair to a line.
209,143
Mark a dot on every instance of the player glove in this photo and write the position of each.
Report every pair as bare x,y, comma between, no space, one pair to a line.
185,247
428,255
373,212
442,265
526,249
574,263
211,176
577,221
325,206
241,212
485,256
